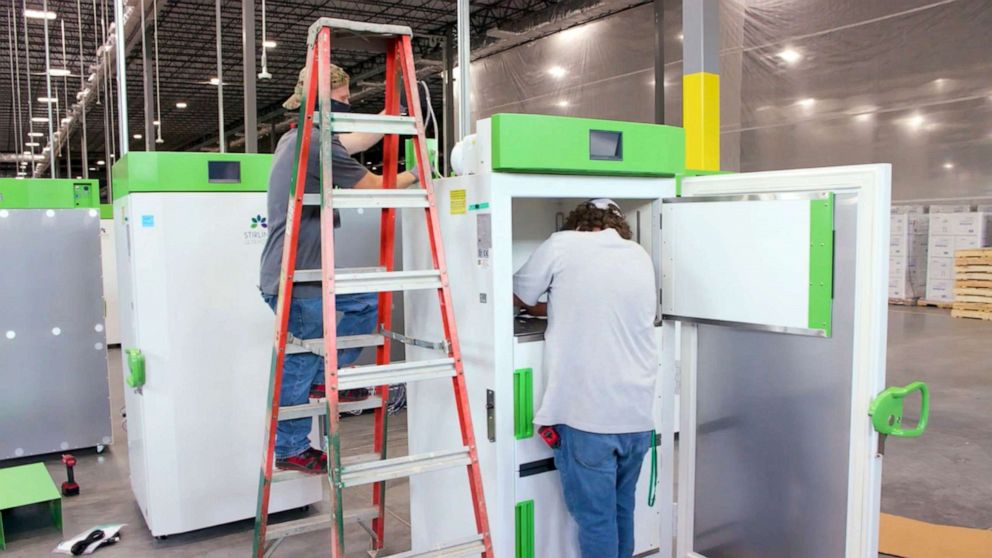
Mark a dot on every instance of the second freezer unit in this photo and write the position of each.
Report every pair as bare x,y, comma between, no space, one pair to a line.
196,336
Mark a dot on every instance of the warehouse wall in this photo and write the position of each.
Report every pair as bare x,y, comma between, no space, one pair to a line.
908,83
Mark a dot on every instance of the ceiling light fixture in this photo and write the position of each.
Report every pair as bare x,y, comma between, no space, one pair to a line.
40,119
181,105
39,14
806,103
59,72
790,55
269,44
948,165
48,99
214,81
137,136
557,72
563,103
101,162
681,36
36,134
32,144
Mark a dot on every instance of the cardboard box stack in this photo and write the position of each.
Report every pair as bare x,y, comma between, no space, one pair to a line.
973,284
950,232
908,253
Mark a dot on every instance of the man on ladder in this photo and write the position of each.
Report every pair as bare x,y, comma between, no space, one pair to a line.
303,375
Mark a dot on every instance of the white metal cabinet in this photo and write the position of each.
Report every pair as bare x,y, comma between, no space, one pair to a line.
188,275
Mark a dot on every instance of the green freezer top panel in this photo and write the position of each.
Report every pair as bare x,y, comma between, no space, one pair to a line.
164,171
48,193
537,143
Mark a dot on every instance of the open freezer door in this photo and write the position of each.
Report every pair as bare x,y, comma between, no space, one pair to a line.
779,283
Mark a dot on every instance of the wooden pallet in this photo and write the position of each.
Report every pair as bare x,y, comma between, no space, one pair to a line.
973,284
973,314
903,301
945,304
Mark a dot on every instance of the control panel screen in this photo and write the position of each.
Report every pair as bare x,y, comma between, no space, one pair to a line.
605,146
224,172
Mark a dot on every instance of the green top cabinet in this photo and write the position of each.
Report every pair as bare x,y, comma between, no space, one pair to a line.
48,193
544,144
163,171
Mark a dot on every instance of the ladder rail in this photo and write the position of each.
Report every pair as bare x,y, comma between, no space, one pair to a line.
445,299
331,419
387,259
283,304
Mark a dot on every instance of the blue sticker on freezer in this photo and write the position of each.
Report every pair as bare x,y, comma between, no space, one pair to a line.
147,220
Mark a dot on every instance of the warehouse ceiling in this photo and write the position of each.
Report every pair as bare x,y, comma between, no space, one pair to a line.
187,61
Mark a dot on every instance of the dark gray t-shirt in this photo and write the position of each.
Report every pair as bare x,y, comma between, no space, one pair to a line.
346,171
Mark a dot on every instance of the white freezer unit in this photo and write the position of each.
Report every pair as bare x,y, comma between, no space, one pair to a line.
188,268
773,291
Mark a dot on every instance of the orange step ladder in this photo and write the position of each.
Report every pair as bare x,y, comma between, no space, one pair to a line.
396,42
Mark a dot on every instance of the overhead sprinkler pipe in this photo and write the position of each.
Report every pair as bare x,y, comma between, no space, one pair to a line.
158,86
121,78
220,83
48,85
264,74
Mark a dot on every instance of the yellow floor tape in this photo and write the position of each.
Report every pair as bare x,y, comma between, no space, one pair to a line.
908,538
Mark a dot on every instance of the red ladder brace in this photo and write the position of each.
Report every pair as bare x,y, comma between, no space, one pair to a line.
399,56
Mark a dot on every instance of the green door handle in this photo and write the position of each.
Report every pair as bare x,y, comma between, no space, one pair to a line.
886,410
136,368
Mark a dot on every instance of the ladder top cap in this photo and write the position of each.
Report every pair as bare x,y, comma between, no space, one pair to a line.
358,28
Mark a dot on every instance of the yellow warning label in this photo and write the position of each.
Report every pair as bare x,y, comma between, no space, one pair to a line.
458,202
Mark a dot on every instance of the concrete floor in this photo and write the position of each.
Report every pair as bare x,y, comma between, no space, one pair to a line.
942,477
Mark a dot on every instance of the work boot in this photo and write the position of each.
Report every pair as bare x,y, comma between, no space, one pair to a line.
311,462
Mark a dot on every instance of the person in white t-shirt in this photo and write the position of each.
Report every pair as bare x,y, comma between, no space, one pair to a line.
601,361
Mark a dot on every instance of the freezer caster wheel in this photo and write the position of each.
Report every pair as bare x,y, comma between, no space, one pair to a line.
161,537
101,448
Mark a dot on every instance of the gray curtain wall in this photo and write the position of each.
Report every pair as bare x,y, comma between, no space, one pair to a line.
803,84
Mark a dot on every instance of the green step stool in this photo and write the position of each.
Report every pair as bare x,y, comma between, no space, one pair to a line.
26,485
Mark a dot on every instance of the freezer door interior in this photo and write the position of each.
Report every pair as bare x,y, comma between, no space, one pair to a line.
783,348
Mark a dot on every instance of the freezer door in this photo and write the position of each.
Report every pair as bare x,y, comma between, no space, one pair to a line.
779,282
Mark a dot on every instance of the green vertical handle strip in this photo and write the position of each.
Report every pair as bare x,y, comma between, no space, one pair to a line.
886,411
136,368
524,519
523,403
821,263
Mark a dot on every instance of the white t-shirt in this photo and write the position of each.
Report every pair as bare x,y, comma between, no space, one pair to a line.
600,351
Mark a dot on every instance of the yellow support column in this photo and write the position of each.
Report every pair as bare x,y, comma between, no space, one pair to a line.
701,83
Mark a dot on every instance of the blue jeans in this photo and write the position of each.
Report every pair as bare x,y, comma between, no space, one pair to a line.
599,478
301,370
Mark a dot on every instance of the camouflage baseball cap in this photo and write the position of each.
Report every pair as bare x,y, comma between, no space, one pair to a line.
339,78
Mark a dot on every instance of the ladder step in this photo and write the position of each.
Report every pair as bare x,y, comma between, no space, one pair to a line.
346,122
313,275
316,408
284,476
317,523
380,281
373,199
316,346
467,547
395,373
399,467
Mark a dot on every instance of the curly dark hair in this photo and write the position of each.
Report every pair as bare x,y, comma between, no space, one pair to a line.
588,217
